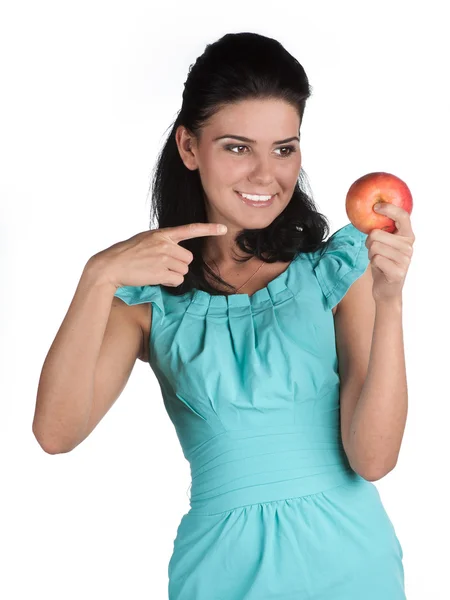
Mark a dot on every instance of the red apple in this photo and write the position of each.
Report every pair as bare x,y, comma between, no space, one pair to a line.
366,191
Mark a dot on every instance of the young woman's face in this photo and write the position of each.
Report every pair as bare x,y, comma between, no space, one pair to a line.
268,162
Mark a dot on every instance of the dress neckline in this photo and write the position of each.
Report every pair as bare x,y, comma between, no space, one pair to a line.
277,290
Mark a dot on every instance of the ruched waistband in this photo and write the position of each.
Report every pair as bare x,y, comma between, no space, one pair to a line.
238,468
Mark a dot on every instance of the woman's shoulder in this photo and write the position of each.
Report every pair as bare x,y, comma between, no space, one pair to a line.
343,259
140,315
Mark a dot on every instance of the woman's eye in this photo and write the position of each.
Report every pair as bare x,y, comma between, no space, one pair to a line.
291,150
231,148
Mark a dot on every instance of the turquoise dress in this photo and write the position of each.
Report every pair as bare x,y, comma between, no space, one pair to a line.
251,385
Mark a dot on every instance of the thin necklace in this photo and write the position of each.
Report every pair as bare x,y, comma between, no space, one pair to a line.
245,282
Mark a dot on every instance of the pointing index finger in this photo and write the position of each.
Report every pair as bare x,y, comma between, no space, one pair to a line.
192,230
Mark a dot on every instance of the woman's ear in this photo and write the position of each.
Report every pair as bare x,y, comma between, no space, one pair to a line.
186,145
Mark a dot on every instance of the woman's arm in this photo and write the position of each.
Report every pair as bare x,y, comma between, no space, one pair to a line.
378,423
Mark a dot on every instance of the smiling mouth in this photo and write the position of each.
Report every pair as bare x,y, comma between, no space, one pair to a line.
272,196
256,203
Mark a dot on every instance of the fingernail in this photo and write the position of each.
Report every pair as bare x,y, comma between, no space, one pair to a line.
378,206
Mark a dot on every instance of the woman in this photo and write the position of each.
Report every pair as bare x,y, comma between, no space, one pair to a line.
244,330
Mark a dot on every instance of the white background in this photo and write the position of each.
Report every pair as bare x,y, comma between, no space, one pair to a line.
88,92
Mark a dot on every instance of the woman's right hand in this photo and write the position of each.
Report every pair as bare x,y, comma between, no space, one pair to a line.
151,257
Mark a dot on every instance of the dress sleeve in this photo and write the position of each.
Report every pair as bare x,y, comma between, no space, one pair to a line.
345,258
141,294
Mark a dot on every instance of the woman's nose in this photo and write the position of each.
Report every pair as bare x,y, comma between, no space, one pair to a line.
262,172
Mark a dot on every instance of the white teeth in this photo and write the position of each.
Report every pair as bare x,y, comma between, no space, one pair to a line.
255,198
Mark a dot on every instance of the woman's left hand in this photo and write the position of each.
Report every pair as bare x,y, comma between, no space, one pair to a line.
390,254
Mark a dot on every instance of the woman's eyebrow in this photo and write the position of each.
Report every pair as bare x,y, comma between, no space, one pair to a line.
245,139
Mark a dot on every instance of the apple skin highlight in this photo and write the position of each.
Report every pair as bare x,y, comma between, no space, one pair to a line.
369,189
